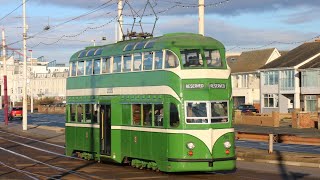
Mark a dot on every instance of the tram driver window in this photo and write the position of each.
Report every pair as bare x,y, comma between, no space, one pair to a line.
213,58
219,112
158,115
196,112
136,114
171,60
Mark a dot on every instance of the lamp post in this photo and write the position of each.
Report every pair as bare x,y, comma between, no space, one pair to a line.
201,17
25,105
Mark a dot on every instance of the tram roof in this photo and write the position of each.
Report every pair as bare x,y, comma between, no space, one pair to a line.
180,40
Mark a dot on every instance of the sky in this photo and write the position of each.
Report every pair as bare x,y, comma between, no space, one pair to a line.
241,25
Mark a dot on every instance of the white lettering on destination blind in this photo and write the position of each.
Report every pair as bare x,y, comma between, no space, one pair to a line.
194,86
217,86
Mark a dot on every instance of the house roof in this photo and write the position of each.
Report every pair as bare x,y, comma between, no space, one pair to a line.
315,63
295,56
249,61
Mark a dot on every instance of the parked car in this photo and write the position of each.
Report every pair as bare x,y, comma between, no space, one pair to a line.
15,113
247,108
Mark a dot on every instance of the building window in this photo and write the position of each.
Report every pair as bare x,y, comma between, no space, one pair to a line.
310,78
287,80
244,80
270,100
271,78
311,103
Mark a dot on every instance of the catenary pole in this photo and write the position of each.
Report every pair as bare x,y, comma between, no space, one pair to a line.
201,17
120,19
25,106
5,84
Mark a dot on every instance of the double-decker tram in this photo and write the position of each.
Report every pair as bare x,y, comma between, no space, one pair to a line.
162,103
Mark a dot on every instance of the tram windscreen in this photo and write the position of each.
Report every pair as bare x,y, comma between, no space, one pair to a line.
206,112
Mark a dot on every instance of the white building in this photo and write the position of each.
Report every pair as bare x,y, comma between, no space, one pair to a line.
43,79
245,77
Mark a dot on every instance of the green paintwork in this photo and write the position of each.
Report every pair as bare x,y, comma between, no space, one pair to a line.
152,149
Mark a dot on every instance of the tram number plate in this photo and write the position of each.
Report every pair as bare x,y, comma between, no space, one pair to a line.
217,86
194,86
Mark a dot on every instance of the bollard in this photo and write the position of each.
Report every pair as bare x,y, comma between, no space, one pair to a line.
270,143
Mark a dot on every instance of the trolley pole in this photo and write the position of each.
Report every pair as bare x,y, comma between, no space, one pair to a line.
25,105
120,19
5,90
201,17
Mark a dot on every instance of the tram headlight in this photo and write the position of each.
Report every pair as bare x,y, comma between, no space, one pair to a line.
190,145
227,144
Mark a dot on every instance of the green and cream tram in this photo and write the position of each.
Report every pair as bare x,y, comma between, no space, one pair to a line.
162,103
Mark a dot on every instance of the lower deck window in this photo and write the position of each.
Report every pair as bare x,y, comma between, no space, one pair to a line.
148,115
207,112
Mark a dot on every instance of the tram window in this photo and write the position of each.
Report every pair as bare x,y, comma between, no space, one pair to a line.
174,116
147,115
196,112
89,67
127,63
79,113
105,66
191,58
219,112
129,47
158,60
117,64
136,114
213,58
82,54
80,70
73,112
158,115
96,66
139,45
73,69
137,59
88,111
98,52
171,60
91,52
149,44
147,61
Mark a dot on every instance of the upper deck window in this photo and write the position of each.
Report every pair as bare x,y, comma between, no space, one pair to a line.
149,44
137,60
80,70
82,54
158,60
106,65
213,58
91,52
139,45
96,66
147,61
171,60
73,69
98,52
116,64
127,60
191,58
129,47
89,67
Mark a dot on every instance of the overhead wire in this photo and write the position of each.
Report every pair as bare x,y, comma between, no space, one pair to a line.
13,11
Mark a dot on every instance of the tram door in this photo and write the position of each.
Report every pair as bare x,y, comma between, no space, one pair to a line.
105,129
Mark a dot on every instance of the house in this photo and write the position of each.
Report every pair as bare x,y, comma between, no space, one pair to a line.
245,77
281,79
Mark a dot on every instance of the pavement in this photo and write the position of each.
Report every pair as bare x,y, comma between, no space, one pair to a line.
56,135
